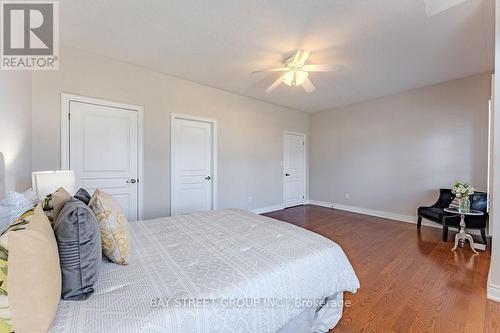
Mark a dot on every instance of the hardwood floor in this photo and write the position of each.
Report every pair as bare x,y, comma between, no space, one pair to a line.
410,281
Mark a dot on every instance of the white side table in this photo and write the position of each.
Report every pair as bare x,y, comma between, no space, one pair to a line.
463,235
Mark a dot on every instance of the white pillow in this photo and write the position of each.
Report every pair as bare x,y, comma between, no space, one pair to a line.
14,205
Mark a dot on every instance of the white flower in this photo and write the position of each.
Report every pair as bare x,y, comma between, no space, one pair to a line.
462,189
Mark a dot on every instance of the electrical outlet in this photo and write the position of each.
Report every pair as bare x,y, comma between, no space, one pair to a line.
250,199
347,196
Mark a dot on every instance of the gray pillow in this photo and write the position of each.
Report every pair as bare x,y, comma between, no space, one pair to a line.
79,242
83,196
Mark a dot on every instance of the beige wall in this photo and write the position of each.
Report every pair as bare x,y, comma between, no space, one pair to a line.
391,154
15,130
250,131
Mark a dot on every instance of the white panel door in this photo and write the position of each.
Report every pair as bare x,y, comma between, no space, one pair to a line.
192,166
103,152
294,170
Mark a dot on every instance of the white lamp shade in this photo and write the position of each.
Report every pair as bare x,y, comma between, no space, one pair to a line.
45,182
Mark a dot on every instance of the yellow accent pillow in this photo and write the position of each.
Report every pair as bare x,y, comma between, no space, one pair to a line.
29,249
113,226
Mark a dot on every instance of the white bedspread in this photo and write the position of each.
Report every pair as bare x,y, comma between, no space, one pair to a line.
211,262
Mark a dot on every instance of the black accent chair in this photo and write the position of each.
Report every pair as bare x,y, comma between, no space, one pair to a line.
436,212
478,201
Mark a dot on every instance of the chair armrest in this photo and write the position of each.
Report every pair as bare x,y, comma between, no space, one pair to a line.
423,208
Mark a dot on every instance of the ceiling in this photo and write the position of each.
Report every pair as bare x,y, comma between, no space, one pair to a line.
386,46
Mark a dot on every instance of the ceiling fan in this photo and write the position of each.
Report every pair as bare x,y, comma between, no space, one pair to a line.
433,7
296,71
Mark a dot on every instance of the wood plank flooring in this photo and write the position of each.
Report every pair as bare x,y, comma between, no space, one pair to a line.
410,281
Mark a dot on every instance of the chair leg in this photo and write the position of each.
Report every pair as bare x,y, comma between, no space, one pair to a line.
419,222
445,233
483,235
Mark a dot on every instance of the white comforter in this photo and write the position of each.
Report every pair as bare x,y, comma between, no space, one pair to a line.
222,271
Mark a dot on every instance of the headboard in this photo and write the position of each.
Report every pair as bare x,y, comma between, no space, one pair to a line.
2,176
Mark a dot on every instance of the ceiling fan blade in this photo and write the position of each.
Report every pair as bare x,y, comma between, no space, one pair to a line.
308,86
301,57
433,7
282,69
323,68
275,84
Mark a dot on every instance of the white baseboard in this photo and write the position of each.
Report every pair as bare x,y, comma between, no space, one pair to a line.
273,208
320,203
493,292
267,209
366,211
385,215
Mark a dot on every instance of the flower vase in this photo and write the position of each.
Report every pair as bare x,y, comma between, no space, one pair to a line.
464,205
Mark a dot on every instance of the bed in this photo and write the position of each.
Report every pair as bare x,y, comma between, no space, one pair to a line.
218,271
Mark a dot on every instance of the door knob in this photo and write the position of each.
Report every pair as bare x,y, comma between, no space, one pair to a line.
208,177
132,181
287,174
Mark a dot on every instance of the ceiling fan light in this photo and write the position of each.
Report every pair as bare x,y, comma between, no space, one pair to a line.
295,78
300,77
288,78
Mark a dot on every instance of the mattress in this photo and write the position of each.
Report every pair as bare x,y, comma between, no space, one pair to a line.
218,271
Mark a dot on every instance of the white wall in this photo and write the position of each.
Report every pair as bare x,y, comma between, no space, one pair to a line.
392,154
494,276
250,131
15,130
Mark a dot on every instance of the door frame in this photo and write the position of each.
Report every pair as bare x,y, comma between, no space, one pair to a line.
304,136
213,122
66,98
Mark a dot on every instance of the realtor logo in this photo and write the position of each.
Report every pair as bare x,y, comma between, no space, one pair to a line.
29,35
